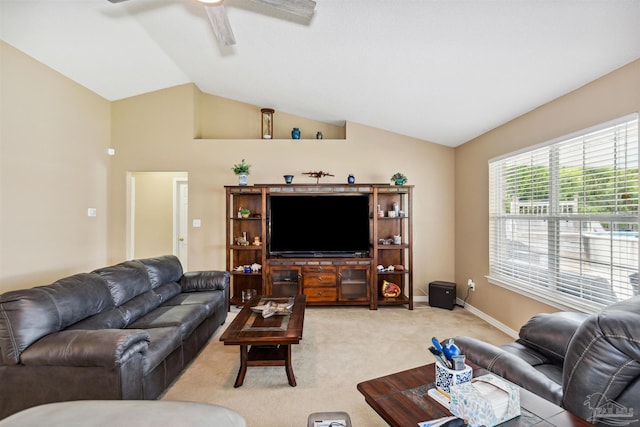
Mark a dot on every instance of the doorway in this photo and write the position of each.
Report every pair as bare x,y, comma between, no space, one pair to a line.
157,215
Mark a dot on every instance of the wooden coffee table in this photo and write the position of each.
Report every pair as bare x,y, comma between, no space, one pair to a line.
402,400
266,342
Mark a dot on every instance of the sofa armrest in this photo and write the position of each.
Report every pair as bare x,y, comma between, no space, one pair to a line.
104,347
509,367
550,333
205,281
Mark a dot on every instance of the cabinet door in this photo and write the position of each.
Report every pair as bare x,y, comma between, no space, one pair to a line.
353,283
285,281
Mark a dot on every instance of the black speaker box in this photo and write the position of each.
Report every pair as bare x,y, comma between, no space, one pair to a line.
442,294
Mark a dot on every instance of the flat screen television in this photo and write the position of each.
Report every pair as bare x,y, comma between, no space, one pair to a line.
319,225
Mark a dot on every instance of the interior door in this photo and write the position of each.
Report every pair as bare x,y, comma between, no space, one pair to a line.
181,227
157,214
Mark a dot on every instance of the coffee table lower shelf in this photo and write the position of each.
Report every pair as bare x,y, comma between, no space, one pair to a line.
265,355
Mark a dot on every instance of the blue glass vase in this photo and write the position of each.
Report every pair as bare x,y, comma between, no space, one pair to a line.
295,133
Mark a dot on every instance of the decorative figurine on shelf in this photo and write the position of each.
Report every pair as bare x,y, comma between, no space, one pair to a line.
317,175
242,170
295,133
390,290
399,178
351,179
319,135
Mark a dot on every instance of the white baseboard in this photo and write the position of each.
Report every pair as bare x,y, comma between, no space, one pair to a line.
484,316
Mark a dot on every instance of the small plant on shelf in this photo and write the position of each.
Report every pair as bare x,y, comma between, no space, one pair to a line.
244,212
399,178
241,168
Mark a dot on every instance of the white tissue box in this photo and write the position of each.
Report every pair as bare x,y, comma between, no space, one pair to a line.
486,401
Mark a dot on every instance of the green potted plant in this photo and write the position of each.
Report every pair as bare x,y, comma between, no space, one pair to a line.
399,178
244,212
242,170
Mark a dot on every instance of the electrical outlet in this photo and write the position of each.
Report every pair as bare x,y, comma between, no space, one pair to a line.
471,284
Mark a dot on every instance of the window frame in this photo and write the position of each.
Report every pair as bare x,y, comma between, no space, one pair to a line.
552,216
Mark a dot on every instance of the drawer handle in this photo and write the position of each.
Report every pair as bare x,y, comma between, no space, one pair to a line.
319,293
319,278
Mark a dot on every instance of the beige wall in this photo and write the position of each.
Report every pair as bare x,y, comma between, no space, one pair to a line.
220,118
54,136
609,97
154,132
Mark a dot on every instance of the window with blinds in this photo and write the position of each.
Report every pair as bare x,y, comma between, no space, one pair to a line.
564,218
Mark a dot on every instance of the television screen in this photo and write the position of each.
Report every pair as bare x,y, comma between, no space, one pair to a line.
318,225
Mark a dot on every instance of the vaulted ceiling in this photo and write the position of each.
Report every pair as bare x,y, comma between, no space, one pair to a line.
444,71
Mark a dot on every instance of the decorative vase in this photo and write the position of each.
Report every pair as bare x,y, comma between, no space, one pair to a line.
351,179
295,133
288,179
242,179
319,135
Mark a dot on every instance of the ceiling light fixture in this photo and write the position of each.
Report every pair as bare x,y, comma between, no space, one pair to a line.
220,22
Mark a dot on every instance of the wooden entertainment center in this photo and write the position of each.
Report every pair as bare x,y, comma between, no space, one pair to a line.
325,279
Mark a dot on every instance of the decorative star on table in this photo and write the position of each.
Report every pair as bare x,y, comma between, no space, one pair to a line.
317,175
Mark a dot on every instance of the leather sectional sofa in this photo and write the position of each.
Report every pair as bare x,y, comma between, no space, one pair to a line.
120,332
588,364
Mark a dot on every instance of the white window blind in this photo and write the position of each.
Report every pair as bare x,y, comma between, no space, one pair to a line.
564,218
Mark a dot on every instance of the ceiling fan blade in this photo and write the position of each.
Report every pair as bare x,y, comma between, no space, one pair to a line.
302,8
220,24
117,1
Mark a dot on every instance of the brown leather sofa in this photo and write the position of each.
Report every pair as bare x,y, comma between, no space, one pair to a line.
120,332
588,364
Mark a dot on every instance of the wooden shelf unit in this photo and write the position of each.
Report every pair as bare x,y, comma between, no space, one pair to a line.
325,281
385,255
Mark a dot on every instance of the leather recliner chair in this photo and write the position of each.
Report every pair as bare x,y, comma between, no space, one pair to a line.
589,365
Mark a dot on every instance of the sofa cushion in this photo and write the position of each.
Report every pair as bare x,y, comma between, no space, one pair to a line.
529,355
186,317
125,280
30,314
167,291
603,360
163,269
140,305
111,319
162,343
194,281
210,300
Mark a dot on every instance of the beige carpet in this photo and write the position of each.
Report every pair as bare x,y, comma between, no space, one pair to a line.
341,347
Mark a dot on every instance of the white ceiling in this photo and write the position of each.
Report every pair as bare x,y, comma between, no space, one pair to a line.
444,71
